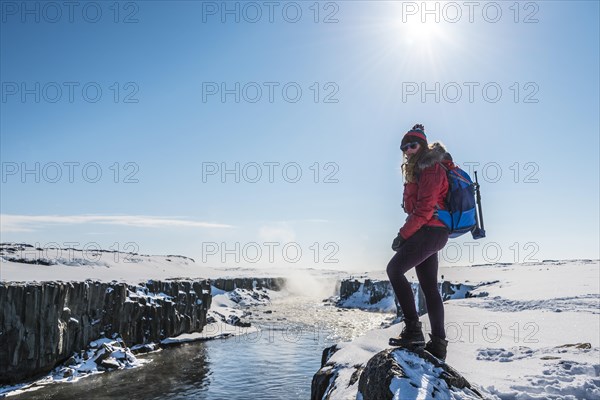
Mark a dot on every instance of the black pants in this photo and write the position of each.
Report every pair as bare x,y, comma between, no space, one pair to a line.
420,251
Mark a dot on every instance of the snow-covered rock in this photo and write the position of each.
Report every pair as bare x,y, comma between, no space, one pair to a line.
402,374
228,312
533,336
101,355
378,295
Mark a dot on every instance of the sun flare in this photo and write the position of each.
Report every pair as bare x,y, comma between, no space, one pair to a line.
421,33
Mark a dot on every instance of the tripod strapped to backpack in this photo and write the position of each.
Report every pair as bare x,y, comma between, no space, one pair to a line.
478,231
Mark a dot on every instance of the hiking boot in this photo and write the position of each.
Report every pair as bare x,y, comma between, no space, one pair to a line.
411,336
437,347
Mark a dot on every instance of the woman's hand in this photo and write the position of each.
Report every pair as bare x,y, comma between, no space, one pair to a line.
397,243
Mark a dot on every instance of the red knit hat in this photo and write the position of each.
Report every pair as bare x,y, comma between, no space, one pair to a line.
417,131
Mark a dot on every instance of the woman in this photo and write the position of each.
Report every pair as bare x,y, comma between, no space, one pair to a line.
420,239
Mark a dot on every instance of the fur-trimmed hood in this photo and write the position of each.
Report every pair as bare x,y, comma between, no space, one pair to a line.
437,153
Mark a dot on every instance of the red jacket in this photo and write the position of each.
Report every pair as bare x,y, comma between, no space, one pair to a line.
422,197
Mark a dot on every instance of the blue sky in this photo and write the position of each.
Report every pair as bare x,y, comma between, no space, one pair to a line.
358,67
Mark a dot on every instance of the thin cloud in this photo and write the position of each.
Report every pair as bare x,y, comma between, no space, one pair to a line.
296,221
30,223
277,233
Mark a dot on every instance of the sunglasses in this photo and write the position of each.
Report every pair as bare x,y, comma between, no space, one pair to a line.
412,146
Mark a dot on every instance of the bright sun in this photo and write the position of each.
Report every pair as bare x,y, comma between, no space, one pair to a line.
421,33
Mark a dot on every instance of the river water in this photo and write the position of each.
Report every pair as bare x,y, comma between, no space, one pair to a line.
277,362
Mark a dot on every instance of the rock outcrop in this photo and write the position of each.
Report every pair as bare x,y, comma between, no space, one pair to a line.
374,291
43,324
229,284
399,373
322,381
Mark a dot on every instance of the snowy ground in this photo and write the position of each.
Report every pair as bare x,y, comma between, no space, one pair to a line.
79,265
535,336
522,346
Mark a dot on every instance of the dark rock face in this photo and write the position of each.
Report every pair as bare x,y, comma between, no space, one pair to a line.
382,368
43,324
321,385
327,353
348,287
375,380
322,381
229,284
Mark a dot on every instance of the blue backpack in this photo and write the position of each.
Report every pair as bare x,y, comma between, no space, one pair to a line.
460,215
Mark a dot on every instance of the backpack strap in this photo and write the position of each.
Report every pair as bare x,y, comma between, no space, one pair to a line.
437,206
458,176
